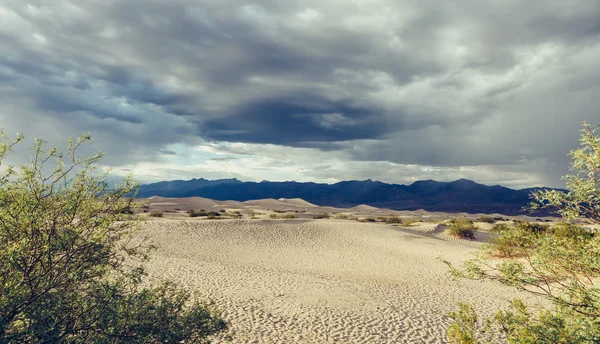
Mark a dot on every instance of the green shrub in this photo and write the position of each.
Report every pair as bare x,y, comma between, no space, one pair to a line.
156,214
192,213
341,216
393,219
407,222
486,219
283,216
462,228
507,242
213,215
532,227
125,210
559,264
67,272
570,231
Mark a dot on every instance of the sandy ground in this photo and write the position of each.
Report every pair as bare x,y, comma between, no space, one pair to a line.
321,281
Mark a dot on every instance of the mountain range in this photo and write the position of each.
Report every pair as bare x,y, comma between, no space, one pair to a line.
462,195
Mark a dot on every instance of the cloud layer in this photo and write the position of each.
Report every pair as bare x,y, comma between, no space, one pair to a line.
312,90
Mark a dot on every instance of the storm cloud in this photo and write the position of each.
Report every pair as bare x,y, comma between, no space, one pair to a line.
309,90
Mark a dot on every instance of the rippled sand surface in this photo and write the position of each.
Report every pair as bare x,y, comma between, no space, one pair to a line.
321,281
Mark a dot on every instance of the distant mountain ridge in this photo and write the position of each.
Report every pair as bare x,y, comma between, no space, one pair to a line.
462,195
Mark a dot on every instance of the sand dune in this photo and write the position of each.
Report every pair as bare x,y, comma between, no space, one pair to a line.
365,208
299,202
325,281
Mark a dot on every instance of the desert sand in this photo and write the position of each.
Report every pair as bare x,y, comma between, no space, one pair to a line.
318,281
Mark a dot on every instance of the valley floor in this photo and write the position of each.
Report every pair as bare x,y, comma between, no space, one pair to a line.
321,281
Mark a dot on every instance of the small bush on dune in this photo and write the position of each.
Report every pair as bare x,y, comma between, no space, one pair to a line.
571,231
283,216
532,227
499,228
321,216
193,213
254,215
156,214
513,242
213,214
463,228
486,219
341,216
393,220
506,243
407,222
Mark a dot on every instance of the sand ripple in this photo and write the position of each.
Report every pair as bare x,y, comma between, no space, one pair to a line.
320,281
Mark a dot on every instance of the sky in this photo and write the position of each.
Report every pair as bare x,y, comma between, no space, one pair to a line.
390,90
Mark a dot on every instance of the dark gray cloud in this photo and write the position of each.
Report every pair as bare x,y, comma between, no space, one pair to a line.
468,83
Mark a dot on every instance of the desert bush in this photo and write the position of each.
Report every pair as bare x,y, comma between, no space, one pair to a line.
507,242
283,216
213,215
570,231
156,214
341,216
486,219
63,277
499,228
462,228
393,220
532,227
193,213
408,221
254,215
321,216
558,263
124,210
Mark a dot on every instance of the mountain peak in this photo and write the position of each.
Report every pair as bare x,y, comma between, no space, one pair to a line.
464,181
